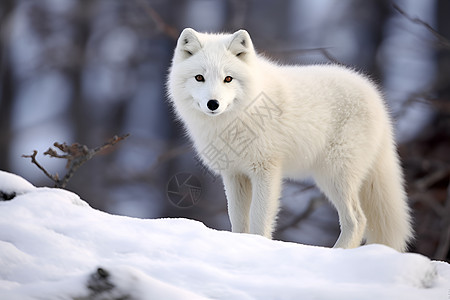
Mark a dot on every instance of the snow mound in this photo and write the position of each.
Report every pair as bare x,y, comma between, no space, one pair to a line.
12,185
55,246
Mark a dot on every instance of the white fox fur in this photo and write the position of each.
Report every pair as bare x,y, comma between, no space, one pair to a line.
271,122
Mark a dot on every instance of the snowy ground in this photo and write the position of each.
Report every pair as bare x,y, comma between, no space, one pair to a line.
54,246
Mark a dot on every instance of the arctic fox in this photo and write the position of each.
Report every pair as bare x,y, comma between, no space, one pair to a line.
255,122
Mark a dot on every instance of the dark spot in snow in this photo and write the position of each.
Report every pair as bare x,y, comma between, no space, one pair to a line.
101,287
7,196
98,282
102,273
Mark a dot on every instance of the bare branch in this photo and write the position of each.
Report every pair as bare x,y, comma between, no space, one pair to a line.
443,41
167,29
34,161
313,204
75,154
425,182
114,140
324,51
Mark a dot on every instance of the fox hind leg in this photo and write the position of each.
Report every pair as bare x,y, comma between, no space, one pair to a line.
352,222
344,196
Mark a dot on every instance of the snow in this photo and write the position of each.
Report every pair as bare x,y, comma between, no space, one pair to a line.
14,184
53,245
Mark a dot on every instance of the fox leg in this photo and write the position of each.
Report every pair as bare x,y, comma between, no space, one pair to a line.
343,193
266,192
352,221
238,190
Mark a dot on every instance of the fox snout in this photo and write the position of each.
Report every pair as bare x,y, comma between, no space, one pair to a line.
214,107
213,104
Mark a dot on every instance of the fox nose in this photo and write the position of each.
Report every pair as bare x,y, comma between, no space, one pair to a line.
213,104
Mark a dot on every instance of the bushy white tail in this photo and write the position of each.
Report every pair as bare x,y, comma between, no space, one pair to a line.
384,202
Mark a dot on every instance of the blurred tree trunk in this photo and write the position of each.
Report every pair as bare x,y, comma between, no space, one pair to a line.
79,115
443,121
380,11
81,25
6,86
443,13
426,158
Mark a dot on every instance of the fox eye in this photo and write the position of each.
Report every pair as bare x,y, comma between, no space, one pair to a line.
199,78
228,79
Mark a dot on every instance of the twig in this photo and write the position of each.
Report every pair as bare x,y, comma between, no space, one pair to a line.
75,154
170,31
325,52
427,181
443,41
54,178
313,204
421,98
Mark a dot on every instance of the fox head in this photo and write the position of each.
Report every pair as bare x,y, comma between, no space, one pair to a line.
210,72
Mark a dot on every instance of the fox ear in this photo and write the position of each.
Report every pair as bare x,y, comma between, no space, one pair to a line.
241,44
188,43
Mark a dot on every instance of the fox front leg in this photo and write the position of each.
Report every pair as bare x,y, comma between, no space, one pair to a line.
266,190
238,190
